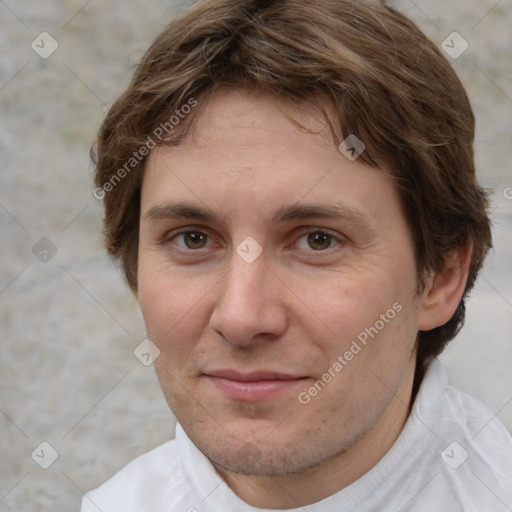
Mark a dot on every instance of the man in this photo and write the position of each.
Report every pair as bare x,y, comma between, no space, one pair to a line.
290,188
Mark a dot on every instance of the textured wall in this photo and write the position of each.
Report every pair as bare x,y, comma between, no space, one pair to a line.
68,375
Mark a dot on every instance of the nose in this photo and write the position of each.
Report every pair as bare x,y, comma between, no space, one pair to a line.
250,307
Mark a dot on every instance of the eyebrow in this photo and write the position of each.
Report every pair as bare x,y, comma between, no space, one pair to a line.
335,212
344,212
180,211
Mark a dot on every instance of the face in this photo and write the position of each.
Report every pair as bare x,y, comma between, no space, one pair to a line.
278,279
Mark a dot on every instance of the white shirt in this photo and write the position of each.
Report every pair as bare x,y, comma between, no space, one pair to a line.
452,455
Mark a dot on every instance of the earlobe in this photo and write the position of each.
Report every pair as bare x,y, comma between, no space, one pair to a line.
444,289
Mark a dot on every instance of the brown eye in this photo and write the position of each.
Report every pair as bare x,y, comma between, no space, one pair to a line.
191,240
319,241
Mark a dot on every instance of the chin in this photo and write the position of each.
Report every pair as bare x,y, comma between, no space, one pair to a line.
255,460
273,453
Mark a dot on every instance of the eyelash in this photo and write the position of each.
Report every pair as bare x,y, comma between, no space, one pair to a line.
185,232
335,239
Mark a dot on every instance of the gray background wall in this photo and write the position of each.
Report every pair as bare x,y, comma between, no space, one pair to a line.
69,326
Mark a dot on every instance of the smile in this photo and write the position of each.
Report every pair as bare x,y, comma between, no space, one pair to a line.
253,387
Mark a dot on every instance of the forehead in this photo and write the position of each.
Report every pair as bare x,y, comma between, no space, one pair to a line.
258,153
250,117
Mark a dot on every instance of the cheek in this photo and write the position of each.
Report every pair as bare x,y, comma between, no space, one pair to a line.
163,299
156,303
349,302
176,309
368,315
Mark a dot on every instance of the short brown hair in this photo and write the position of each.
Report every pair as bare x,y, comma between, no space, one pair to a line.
382,80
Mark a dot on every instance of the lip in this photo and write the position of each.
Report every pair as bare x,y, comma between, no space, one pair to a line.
252,387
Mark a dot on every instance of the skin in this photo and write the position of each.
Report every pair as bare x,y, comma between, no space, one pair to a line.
294,310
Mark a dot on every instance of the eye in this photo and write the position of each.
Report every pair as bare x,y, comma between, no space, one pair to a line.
192,240
317,241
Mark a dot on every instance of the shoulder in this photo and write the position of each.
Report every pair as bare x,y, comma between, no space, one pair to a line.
149,482
454,412
476,423
474,448
481,428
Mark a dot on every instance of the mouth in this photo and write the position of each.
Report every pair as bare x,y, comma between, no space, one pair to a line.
254,386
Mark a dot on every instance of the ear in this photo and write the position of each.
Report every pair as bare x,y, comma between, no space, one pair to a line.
444,289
